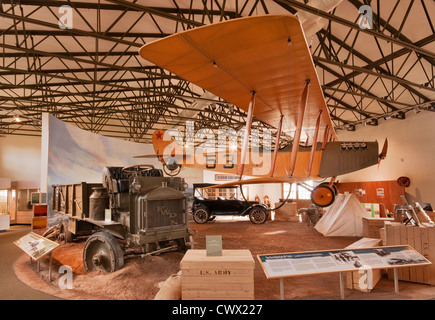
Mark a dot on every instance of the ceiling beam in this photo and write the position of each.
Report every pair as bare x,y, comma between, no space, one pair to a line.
351,24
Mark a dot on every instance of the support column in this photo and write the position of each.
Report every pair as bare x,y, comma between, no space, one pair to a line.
341,285
281,288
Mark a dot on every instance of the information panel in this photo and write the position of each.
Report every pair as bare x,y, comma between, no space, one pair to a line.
35,246
316,262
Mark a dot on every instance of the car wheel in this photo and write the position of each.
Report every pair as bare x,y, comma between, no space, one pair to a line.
201,215
258,215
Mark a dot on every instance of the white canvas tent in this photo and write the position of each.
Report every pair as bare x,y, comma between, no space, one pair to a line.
343,218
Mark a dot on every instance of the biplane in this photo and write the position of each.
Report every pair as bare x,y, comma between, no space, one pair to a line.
263,65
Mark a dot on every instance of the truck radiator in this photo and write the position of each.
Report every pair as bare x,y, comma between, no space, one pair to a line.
163,213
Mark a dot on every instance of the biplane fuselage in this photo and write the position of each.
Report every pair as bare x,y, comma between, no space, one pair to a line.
328,159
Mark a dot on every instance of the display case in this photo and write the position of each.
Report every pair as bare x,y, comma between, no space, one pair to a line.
4,222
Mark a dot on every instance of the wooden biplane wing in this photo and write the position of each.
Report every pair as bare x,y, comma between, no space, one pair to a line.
263,65
266,56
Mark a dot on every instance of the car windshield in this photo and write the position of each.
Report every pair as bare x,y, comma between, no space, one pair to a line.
218,193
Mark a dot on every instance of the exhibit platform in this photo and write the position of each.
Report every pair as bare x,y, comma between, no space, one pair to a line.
139,278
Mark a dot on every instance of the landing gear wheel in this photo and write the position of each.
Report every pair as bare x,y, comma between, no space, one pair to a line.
322,196
102,252
333,187
201,215
258,215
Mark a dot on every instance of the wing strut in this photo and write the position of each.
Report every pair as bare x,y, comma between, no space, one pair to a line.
314,146
297,137
325,137
247,133
275,152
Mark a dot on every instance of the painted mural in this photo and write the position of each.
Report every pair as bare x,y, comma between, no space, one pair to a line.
76,155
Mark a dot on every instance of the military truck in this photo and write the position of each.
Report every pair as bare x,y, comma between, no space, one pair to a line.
134,211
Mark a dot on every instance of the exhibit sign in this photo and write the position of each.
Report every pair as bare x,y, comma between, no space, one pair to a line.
35,245
316,262
213,245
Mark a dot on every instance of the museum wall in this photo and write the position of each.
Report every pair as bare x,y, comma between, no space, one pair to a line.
411,150
20,158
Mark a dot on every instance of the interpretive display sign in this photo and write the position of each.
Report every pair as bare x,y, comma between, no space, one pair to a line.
35,245
213,245
301,263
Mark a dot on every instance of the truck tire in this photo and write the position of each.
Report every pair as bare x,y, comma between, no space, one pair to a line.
64,233
201,215
102,252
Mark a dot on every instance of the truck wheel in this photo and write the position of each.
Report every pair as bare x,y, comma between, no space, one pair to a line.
102,252
64,233
201,215
258,215
184,244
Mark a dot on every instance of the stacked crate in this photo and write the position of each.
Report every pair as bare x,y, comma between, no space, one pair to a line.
287,212
353,279
372,226
226,277
422,239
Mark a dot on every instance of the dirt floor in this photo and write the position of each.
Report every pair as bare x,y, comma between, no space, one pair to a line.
139,278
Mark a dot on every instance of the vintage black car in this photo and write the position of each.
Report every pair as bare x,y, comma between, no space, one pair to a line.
206,205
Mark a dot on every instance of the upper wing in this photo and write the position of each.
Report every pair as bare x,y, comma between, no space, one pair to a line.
232,59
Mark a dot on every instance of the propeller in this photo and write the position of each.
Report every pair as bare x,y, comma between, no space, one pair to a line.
148,156
383,153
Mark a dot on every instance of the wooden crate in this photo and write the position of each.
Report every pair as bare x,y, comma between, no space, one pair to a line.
226,277
422,239
372,226
287,212
353,278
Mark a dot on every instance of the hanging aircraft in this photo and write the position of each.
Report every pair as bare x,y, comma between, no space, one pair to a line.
263,65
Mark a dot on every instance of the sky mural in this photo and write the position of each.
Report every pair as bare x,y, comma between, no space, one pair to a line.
76,155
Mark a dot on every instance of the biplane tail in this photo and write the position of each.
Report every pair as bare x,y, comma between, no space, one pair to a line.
383,153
